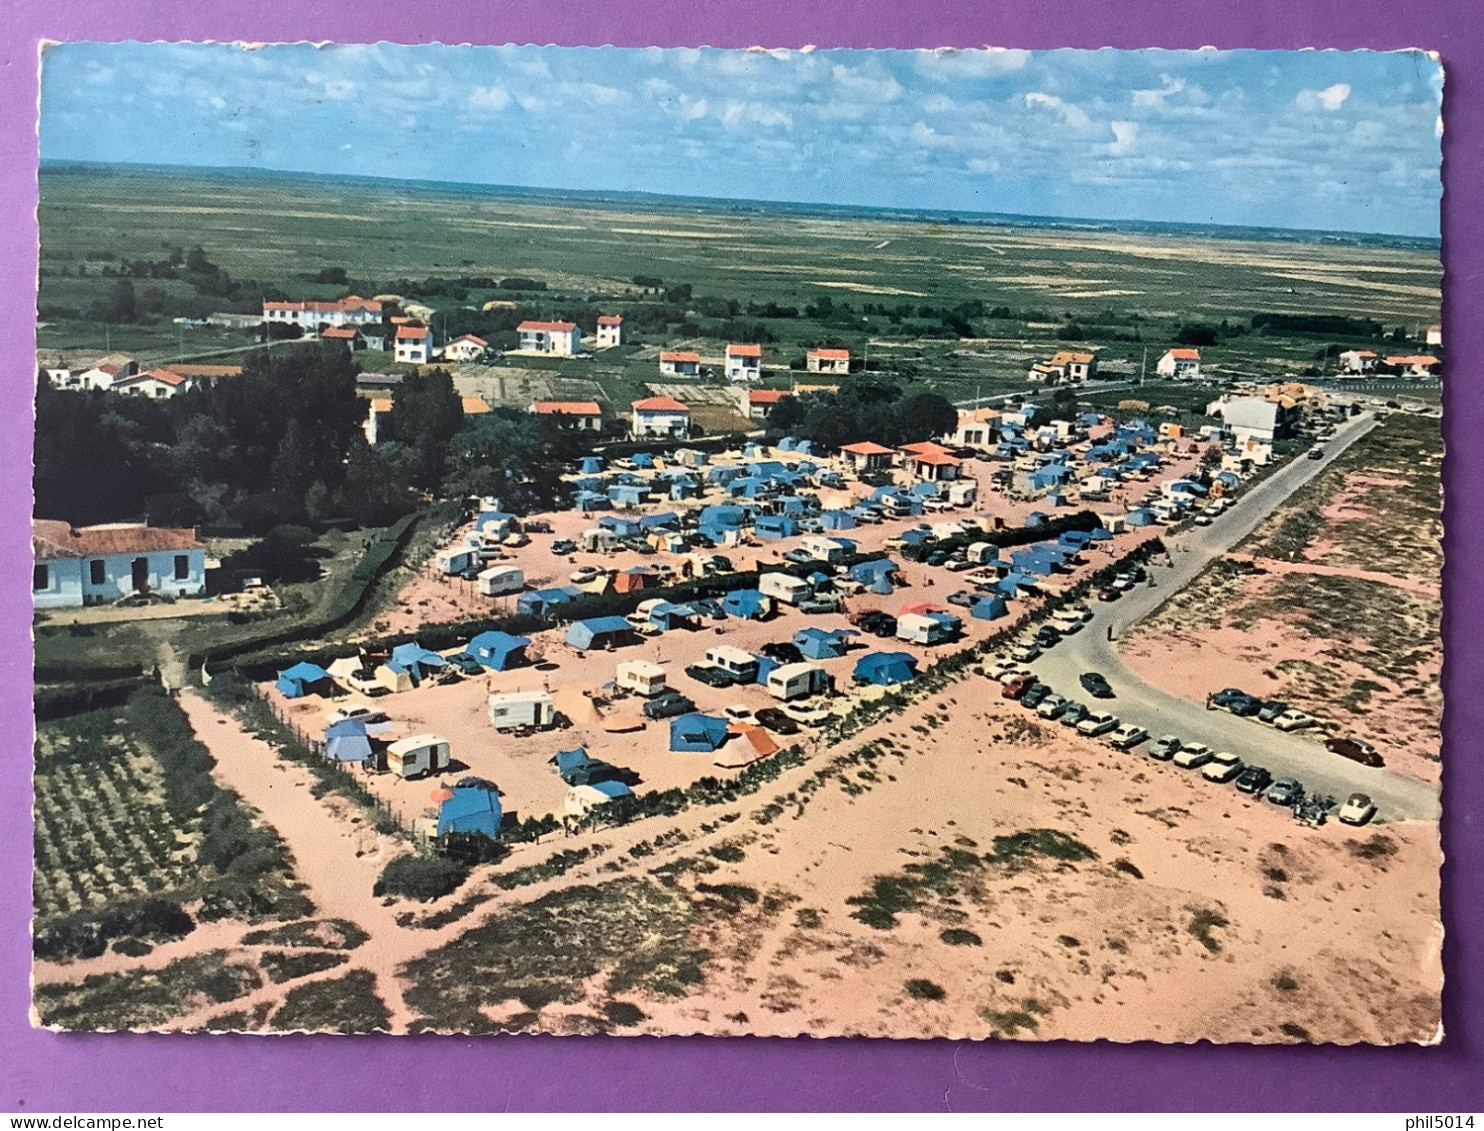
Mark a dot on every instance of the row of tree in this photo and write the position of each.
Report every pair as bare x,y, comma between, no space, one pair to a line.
868,406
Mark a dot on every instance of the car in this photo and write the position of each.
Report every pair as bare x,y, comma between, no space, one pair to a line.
719,563
776,721
1222,767
1270,710
1109,594
1357,810
1356,750
710,608
1316,453
1096,724
356,714
1034,695
584,574
1072,714
1203,519
1254,780
936,558
1025,653
1163,748
710,675
1067,625
1014,673
516,541
1047,636
1017,686
783,652
867,516
809,715
1081,611
1127,737
883,625
738,713
1051,706
667,705
1193,756
965,597
957,564
1285,791
818,605
799,557
1000,666
810,525
1228,695
466,663
564,546
1294,719
1096,685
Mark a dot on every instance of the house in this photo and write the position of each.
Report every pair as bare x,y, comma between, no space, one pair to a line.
1182,363
680,363
744,362
474,406
466,348
104,372
1419,365
866,456
413,344
1066,367
610,330
827,361
376,409
1358,361
579,416
977,428
1435,335
353,310
1255,418
660,416
931,462
348,336
761,402
560,339
1043,373
95,565
161,384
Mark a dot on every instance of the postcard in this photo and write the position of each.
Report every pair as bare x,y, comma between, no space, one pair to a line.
833,542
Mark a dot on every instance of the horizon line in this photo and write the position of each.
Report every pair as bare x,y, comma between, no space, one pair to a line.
1048,218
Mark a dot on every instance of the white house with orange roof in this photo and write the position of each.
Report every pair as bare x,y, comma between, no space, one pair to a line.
466,348
159,384
827,361
610,330
104,373
680,363
660,416
1183,363
353,310
580,416
1359,361
413,345
559,339
744,362
95,565
1435,335
867,455
761,402
930,461
1415,365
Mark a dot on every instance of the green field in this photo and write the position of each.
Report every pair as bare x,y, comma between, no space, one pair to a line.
1128,291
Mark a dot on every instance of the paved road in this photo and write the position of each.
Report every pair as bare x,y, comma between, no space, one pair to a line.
1287,755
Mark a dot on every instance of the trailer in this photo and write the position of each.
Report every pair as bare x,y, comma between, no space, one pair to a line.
421,754
784,587
515,710
741,666
501,579
918,629
456,559
823,549
797,681
643,677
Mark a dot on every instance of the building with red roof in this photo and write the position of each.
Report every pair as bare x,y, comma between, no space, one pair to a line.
680,363
744,362
311,315
827,361
95,565
610,330
413,344
557,339
867,456
581,416
1182,363
660,416
761,402
159,384
469,347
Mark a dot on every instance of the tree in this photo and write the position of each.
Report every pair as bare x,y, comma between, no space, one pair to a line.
334,275
927,415
122,305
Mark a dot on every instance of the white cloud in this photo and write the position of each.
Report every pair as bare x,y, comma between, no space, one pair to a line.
489,99
736,115
1168,86
990,62
1330,98
859,83
1072,114
1125,134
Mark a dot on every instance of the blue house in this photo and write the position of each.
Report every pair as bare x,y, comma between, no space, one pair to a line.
303,679
885,668
498,651
346,741
471,809
600,632
749,604
697,733
817,644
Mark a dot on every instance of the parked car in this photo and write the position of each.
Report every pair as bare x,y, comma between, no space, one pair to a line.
1096,685
1356,750
1254,779
1081,611
1316,453
798,557
883,625
776,721
1294,719
1270,710
1017,686
1034,695
1051,706
808,714
957,564
667,705
357,714
1109,594
1047,637
1203,519
783,652
516,541
1067,625
1357,810
466,663
1228,695
710,675
583,574
965,597
1127,737
1285,791
1222,767
1193,756
739,713
1073,714
564,546
1245,707
1015,673
1163,748
1025,653
818,605
1096,724
710,608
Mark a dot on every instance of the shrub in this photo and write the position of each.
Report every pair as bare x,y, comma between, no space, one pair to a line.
424,878
957,936
923,990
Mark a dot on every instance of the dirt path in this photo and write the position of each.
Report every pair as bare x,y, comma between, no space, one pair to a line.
1420,587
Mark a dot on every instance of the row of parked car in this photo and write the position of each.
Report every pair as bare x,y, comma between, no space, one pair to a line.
1284,717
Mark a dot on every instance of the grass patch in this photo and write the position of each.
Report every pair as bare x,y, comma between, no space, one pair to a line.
146,999
548,869
424,878
958,936
1202,922
285,966
320,934
729,853
340,1005
1007,1023
923,990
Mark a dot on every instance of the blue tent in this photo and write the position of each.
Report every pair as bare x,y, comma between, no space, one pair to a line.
684,489
471,809
749,487
873,571
838,520
570,765
655,521
591,465
414,655
1101,534
1012,583
498,651
786,444
534,602
724,474
1035,519
621,527
765,664
775,526
600,632
642,459
669,616
1052,475
303,679
924,490
589,501
697,733
885,668
346,741
1140,517
749,604
989,608
626,495
1075,538
725,516
817,644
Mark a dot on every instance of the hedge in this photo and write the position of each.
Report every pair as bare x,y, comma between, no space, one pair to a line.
58,702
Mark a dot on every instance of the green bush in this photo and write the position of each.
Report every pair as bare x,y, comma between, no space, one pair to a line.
424,878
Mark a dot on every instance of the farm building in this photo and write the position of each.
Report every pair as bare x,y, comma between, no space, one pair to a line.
660,416
1182,363
413,345
472,808
610,330
600,632
346,741
498,651
353,310
885,668
510,710
744,362
466,348
679,363
698,734
303,679
580,416
827,361
96,565
559,339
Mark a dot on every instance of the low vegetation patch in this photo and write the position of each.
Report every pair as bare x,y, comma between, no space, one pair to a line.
958,936
1007,1023
146,999
320,934
924,990
340,1005
424,878
548,869
285,966
1203,921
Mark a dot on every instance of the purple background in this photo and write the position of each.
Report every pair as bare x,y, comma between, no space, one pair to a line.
42,1072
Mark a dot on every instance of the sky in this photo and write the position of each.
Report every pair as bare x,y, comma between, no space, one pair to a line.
1291,139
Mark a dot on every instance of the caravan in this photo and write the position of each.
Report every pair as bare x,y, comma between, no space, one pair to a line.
418,755
741,666
498,580
784,587
456,559
513,710
643,677
797,681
